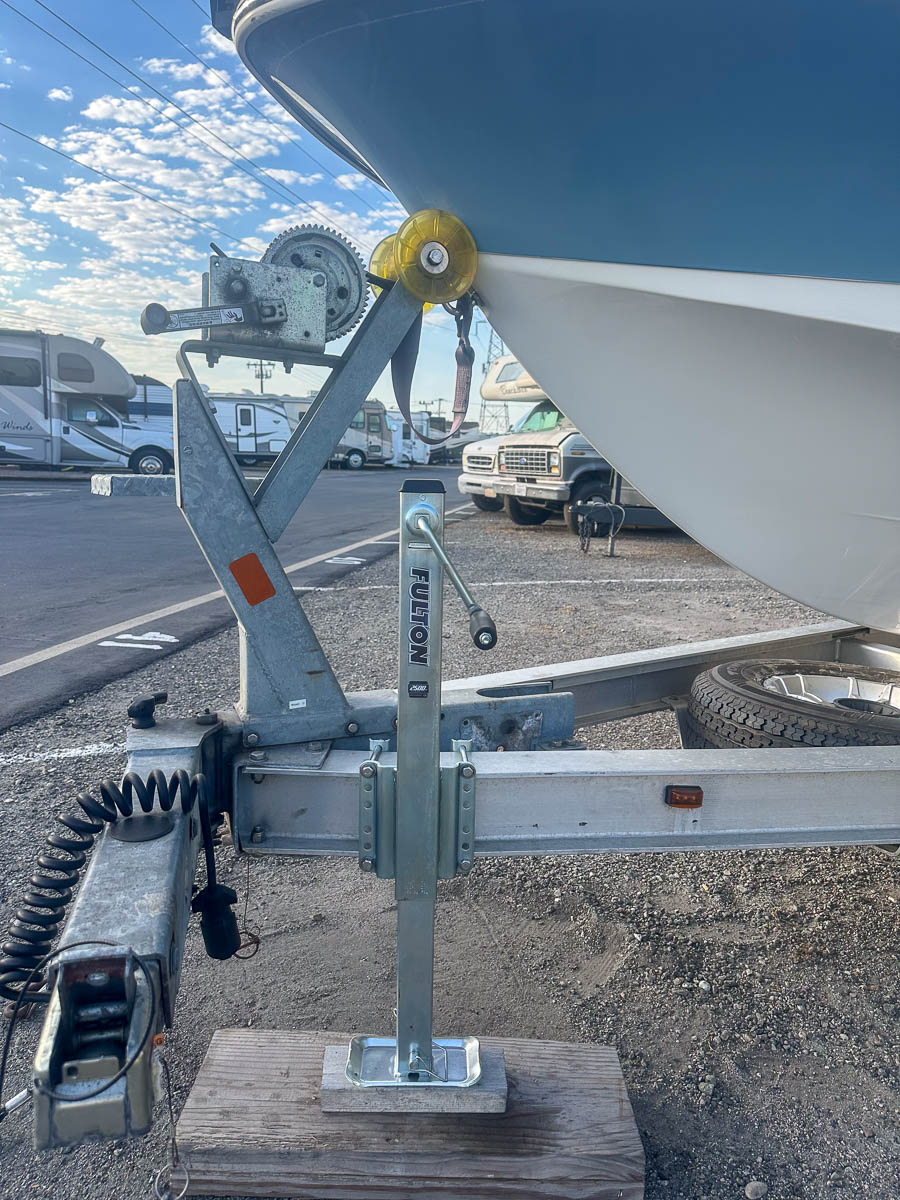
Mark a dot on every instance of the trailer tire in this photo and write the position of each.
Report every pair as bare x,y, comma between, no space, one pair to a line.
151,460
523,514
730,706
590,489
486,504
355,460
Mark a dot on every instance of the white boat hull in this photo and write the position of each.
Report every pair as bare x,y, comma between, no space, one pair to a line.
760,413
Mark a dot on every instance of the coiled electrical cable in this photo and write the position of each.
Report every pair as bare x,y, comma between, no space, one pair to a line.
43,908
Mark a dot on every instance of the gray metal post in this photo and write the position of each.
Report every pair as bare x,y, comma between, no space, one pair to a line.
616,498
418,773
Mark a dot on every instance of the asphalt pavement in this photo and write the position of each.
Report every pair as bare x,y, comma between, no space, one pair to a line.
93,588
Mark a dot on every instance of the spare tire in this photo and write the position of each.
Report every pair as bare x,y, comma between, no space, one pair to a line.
782,702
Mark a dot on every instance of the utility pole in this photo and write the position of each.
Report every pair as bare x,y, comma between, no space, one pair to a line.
262,371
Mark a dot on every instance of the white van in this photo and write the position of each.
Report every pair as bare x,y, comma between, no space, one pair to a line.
64,402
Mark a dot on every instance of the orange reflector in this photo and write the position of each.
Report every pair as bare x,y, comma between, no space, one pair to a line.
252,579
683,797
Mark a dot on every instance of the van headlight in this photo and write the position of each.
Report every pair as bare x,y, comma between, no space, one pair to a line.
553,462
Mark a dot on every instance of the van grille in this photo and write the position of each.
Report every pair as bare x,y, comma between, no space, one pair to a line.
526,460
479,462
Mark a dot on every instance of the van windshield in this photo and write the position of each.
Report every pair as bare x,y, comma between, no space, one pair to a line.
542,418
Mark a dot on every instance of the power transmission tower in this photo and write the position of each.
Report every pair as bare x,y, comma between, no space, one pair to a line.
494,415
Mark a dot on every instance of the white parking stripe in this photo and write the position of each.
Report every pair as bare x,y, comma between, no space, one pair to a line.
86,639
37,756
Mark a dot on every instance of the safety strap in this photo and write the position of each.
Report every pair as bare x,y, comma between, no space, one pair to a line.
403,365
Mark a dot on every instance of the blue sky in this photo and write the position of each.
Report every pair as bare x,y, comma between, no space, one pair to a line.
81,254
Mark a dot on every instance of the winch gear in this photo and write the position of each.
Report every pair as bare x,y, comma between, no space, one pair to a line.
317,248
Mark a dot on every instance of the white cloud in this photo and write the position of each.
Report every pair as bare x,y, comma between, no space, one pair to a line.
284,176
349,181
179,70
213,42
365,230
60,93
22,240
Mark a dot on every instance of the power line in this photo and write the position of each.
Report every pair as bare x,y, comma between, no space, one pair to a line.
122,183
243,99
168,100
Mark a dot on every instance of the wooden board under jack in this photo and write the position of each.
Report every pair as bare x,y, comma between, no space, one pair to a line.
253,1126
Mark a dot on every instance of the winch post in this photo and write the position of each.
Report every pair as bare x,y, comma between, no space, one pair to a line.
418,772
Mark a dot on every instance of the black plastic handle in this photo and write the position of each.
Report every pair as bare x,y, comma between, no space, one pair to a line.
482,629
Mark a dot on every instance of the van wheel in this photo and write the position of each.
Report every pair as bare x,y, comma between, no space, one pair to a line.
591,489
355,460
150,460
788,703
524,514
486,504
246,460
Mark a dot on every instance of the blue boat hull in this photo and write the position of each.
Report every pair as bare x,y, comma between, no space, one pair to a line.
686,222
757,137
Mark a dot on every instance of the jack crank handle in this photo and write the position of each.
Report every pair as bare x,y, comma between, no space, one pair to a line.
481,626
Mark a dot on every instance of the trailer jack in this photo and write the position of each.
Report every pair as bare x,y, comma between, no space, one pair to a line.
387,777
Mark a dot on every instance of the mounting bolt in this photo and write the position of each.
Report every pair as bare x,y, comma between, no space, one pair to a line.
207,717
465,866
252,739
367,770
366,864
352,726
467,770
257,834
318,280
258,755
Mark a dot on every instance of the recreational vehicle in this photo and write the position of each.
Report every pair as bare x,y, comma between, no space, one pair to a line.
408,449
368,439
256,428
64,403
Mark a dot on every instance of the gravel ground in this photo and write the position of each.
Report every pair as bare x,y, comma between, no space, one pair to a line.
753,996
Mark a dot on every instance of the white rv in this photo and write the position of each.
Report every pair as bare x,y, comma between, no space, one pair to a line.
368,438
64,402
408,449
256,428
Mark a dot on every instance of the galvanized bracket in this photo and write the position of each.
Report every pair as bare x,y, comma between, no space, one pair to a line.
377,814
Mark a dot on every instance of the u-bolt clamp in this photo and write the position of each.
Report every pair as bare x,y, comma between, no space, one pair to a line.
481,625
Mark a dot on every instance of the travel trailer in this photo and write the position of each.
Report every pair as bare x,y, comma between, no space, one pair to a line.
368,439
64,403
256,428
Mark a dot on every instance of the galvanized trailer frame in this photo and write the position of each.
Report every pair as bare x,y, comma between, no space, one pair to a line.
299,767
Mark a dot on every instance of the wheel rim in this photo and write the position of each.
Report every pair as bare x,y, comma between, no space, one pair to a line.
150,464
848,692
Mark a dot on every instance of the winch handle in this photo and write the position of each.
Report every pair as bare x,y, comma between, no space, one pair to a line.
481,625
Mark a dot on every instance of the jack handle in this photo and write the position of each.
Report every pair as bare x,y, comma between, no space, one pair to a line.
481,625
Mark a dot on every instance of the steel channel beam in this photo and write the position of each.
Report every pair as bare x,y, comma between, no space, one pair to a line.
311,445
584,802
626,685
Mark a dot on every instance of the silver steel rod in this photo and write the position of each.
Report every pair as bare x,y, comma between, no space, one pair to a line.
428,533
